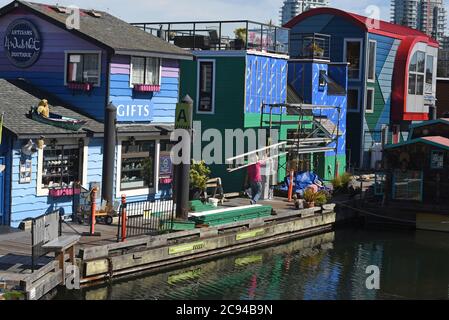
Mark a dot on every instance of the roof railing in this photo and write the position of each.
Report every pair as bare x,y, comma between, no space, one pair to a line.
221,35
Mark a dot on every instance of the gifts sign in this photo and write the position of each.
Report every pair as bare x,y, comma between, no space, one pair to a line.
22,43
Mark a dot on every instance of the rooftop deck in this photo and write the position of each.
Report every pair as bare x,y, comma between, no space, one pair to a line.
221,35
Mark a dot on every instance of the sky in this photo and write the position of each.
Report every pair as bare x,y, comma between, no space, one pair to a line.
187,10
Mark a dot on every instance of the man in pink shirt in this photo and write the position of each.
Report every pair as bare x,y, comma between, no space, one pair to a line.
255,180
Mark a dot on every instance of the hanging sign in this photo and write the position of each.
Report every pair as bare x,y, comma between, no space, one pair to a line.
22,43
183,116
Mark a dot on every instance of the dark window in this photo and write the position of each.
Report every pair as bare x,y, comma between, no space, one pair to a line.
83,67
372,61
353,99
206,87
322,80
370,99
353,58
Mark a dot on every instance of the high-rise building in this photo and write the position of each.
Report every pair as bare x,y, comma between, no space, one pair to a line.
292,8
429,16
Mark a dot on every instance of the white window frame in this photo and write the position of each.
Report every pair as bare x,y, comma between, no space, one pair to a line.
358,99
214,74
372,99
68,52
373,79
141,191
131,85
417,73
41,191
346,40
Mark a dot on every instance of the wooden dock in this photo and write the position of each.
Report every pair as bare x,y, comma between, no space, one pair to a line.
102,257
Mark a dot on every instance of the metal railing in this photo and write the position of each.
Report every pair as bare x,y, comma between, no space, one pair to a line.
310,46
145,218
221,35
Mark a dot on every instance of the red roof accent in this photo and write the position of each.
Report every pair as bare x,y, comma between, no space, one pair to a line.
438,140
385,28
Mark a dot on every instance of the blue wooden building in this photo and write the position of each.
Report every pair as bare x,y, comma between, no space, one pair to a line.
80,69
391,75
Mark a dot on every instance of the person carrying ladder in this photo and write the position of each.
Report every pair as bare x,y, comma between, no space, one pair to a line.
254,178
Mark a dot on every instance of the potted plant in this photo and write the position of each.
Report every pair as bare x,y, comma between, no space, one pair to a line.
315,50
240,35
199,175
312,198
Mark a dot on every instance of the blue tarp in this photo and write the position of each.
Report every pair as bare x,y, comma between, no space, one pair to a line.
302,180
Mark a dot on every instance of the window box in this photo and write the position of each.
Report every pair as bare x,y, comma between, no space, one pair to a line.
147,88
64,192
80,86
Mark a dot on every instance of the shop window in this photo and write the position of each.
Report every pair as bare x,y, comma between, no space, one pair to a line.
372,61
137,165
437,160
416,74
353,99
369,100
83,68
145,71
61,167
353,52
206,87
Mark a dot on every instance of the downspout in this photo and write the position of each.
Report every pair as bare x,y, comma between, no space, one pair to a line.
109,140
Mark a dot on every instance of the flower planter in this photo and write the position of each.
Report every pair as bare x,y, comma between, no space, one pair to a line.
80,86
146,88
65,192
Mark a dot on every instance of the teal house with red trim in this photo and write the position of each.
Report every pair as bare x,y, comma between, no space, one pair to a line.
81,68
391,74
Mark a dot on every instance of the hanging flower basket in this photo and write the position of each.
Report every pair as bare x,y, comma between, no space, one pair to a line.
147,88
80,86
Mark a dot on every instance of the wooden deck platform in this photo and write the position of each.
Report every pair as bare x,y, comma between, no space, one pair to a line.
15,246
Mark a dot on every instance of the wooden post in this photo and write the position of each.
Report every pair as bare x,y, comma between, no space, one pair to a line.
93,214
93,208
123,217
290,187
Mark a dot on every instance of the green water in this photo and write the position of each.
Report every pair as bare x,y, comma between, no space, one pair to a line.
413,265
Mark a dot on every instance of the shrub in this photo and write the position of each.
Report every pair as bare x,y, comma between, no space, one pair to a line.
341,183
199,174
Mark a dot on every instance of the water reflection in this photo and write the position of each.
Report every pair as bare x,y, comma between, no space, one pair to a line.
328,266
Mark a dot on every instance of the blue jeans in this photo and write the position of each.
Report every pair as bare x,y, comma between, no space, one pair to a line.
256,191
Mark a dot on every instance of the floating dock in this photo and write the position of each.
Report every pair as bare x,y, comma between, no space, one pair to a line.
102,258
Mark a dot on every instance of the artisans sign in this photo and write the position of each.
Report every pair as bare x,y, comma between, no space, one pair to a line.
23,44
